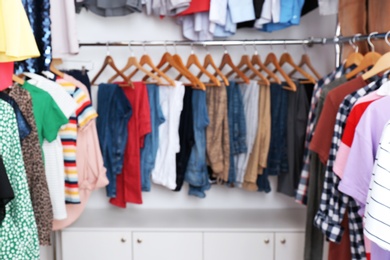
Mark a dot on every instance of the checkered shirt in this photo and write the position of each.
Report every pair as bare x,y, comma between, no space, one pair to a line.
301,194
334,204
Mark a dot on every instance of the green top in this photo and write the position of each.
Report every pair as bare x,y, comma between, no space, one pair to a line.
48,116
18,231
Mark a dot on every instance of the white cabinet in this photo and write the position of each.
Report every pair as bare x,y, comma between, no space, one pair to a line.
233,246
289,246
167,245
96,245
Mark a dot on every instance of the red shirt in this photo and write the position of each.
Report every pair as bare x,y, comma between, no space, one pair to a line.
197,6
129,181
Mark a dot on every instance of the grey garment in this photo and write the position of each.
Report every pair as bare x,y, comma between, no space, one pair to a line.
298,110
325,90
109,8
314,239
166,7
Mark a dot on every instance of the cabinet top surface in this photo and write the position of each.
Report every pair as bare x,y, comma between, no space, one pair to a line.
191,220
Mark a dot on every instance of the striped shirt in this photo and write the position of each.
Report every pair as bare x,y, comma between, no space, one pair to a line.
68,134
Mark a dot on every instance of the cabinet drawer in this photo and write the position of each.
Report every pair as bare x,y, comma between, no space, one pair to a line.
167,245
233,246
96,245
289,246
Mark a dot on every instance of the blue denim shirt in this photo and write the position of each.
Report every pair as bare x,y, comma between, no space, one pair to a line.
196,174
149,151
23,126
114,111
237,125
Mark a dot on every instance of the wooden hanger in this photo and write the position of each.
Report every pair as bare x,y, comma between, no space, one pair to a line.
17,79
193,60
271,59
55,62
381,65
245,62
198,84
256,61
286,58
370,59
208,60
146,60
227,61
305,60
109,61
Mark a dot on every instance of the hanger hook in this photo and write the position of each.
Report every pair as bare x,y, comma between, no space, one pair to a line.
304,48
387,38
354,41
108,49
254,47
165,46
205,46
131,50
192,48
243,45
143,47
174,45
369,41
224,47
284,44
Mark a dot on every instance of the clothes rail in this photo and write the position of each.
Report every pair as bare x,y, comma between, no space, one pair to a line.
308,41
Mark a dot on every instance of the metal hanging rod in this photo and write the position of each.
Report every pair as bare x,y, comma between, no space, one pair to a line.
308,41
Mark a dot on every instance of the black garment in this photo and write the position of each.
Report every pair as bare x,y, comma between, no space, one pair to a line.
38,13
298,110
258,4
187,138
309,6
247,24
82,76
6,192
23,126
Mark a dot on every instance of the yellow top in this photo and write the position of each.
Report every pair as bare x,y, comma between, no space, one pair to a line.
17,40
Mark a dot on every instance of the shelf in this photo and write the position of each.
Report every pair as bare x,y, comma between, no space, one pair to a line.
273,220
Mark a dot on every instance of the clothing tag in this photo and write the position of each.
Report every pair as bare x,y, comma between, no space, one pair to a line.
49,74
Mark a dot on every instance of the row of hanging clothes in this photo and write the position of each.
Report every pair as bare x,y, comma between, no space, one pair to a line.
344,180
232,124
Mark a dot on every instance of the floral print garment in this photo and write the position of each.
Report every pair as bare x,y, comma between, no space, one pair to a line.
18,231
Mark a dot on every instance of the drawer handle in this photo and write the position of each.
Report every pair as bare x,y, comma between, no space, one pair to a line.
123,240
266,241
139,241
283,241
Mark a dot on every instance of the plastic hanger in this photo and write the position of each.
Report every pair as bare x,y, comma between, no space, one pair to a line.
245,63
146,60
133,62
256,61
305,60
193,60
272,59
208,60
370,59
227,61
381,65
286,58
355,58
109,61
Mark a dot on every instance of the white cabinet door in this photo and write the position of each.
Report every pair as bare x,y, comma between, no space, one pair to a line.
96,245
289,246
167,245
233,246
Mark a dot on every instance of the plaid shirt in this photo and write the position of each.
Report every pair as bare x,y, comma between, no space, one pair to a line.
301,195
334,204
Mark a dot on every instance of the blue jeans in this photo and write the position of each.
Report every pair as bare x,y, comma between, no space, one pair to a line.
114,113
277,161
196,174
149,151
237,126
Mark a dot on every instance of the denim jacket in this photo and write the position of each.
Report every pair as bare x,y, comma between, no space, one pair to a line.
114,113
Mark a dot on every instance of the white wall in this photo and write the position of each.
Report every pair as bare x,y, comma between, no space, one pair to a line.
93,28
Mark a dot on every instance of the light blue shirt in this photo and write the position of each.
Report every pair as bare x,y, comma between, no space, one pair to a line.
241,10
229,29
290,14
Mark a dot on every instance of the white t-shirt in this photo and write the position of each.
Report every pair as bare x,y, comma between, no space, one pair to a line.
53,152
64,38
171,101
218,11
250,93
